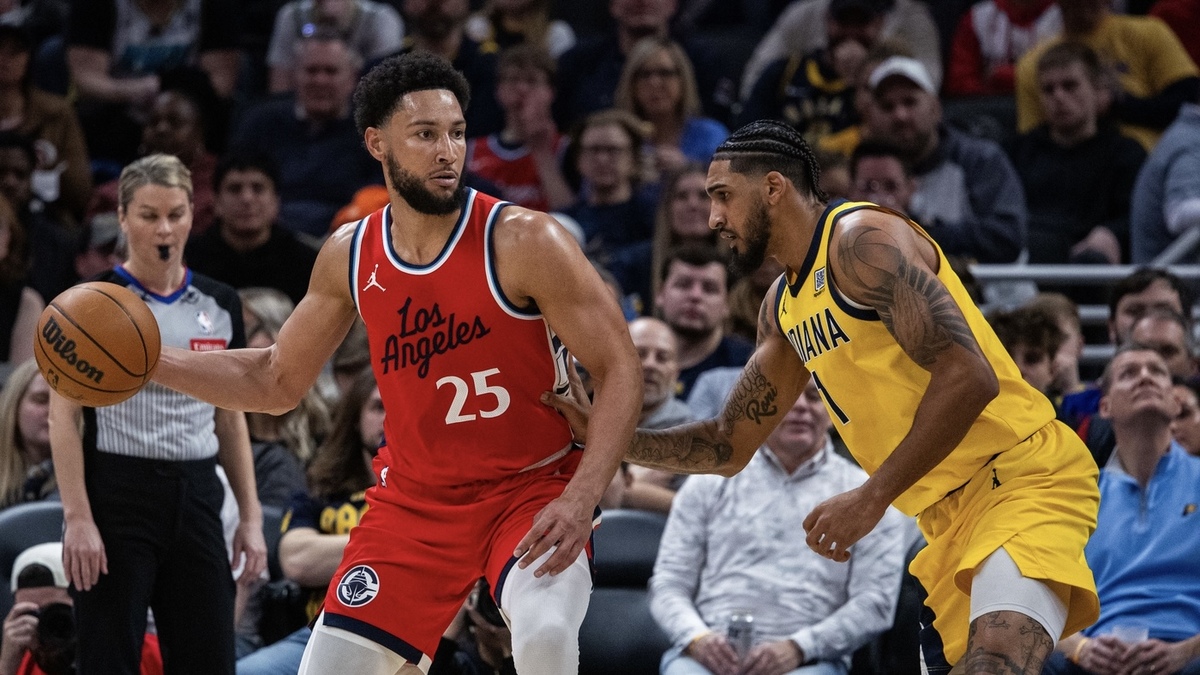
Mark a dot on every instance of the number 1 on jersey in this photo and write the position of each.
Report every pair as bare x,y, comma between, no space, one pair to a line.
462,390
833,406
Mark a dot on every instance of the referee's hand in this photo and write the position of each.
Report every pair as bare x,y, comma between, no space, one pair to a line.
248,541
84,559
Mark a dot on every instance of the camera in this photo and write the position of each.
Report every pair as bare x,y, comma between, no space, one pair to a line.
54,650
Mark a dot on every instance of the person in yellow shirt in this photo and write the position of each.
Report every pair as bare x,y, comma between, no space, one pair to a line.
1154,74
925,398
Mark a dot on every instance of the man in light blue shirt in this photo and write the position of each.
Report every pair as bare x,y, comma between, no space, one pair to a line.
736,544
1145,551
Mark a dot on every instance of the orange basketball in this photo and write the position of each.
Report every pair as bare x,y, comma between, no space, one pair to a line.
97,343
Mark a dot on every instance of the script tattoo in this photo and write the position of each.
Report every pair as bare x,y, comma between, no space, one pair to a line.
914,306
753,397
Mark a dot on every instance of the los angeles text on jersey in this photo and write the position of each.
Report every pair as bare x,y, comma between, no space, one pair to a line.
816,335
426,333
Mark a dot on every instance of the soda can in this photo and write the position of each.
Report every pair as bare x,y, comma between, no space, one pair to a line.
740,633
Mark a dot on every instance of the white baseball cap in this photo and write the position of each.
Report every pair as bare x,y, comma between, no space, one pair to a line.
910,69
47,555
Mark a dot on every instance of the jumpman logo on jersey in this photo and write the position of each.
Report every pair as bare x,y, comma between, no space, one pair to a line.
372,282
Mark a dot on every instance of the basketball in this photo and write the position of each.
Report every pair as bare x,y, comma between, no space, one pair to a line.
97,343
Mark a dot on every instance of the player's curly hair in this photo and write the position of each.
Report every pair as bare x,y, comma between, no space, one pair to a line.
768,145
379,91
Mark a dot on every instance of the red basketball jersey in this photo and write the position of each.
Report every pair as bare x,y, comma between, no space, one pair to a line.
460,368
513,170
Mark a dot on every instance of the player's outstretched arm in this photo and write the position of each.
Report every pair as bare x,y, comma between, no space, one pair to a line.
769,385
879,260
274,379
538,263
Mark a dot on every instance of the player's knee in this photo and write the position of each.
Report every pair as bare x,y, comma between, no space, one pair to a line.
544,641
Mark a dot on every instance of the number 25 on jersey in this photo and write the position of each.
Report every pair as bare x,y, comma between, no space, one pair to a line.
479,388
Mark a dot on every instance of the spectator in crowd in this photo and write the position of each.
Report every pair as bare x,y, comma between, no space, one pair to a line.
248,247
814,91
681,216
509,23
1032,338
1185,428
179,123
48,240
373,29
1168,333
801,29
969,197
880,174
707,397
588,73
282,444
717,558
117,50
693,301
477,641
524,159
1154,74
101,246
658,349
1137,295
843,142
63,173
26,471
39,631
658,85
318,523
1166,196
312,138
141,497
1182,16
1077,169
746,297
1065,368
612,209
20,303
989,40
1143,552
439,26
835,174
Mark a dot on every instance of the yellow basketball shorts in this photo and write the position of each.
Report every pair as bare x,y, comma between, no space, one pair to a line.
1038,501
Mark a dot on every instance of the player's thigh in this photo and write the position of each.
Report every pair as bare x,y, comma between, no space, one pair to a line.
333,651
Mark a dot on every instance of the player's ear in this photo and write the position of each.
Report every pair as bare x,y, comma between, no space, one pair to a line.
774,185
376,144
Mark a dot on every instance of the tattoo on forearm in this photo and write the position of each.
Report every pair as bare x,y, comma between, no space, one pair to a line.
765,326
701,448
753,397
914,306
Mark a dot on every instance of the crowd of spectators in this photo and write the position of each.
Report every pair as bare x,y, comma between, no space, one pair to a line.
1043,131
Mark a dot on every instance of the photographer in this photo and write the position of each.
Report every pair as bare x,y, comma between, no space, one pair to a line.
478,641
39,631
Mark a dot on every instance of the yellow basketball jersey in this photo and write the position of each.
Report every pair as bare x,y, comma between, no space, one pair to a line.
871,387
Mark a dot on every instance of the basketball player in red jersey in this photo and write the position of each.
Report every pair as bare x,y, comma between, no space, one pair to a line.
468,303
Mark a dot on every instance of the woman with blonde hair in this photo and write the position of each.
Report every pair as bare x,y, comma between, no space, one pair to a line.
26,472
20,305
508,23
658,85
301,429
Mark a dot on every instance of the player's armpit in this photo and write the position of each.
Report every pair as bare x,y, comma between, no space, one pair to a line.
878,260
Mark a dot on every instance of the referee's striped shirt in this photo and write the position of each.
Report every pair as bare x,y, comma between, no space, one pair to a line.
158,423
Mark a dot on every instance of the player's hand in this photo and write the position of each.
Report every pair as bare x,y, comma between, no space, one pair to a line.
576,407
1103,655
565,523
773,658
715,653
1157,657
248,541
839,522
84,559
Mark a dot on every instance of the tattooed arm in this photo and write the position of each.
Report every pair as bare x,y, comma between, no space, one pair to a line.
878,260
769,385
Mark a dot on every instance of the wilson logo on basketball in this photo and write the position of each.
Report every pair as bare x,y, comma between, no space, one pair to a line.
65,349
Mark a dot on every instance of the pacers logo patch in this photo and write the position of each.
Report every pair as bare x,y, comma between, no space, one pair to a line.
358,586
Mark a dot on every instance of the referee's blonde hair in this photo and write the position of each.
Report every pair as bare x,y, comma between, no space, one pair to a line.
157,169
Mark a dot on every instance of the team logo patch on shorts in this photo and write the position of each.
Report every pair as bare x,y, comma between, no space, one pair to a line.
358,586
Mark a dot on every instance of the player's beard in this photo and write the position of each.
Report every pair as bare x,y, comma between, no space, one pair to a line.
408,186
758,234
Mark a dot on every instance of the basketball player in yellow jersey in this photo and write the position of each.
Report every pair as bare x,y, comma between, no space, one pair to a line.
925,397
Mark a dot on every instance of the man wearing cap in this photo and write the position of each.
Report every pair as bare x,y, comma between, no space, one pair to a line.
969,197
39,631
814,92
